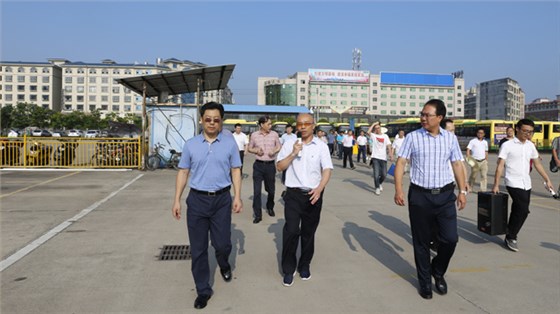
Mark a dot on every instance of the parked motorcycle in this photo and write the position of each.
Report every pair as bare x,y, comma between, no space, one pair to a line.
65,154
39,154
9,152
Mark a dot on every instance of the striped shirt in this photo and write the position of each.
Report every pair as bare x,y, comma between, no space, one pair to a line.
430,157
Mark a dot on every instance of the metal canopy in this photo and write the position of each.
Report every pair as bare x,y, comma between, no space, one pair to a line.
210,78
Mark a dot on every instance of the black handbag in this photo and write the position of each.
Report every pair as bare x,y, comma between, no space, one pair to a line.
553,166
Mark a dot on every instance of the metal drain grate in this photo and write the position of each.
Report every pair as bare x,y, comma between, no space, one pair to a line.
175,253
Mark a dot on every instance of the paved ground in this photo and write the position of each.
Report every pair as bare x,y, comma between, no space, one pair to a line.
97,236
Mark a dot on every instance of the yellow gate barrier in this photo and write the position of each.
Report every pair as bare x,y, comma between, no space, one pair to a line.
70,152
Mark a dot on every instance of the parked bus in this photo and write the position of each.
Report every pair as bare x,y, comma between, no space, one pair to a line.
342,127
362,127
323,126
247,127
279,127
551,130
494,131
406,124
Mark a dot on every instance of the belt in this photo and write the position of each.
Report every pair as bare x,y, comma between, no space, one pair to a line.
212,193
444,188
300,190
480,160
265,161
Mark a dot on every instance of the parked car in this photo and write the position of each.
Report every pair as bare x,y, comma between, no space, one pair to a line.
92,133
75,133
104,133
44,133
57,133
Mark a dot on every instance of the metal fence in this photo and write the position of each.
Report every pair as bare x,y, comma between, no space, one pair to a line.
68,152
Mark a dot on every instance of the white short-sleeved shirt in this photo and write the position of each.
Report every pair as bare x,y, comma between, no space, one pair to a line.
347,141
305,172
379,146
285,137
478,148
241,140
397,142
517,156
361,140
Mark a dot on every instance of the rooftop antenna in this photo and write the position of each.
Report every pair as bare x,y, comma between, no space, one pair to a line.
356,59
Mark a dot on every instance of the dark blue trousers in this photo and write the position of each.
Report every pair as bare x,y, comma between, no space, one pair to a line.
361,152
427,210
208,214
263,171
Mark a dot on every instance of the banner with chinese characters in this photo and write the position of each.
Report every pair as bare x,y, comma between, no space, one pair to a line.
347,76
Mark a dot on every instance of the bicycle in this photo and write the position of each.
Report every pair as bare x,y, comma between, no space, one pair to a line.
155,159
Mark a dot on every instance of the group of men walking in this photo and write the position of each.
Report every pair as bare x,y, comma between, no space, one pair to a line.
213,161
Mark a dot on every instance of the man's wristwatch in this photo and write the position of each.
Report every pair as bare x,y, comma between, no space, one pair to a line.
465,192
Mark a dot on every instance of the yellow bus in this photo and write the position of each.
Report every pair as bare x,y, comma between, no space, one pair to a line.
341,127
247,127
494,131
362,127
323,126
279,127
406,124
551,130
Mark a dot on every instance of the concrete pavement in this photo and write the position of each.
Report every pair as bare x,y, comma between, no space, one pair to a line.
105,260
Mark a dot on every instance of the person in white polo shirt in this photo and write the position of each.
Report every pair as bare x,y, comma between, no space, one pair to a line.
477,151
515,156
242,141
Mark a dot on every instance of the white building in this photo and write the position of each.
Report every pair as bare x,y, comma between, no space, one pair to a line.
387,95
501,99
62,85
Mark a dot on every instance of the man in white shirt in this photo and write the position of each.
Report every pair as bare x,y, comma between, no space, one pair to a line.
308,169
347,146
289,135
242,141
477,151
362,145
379,147
397,142
515,155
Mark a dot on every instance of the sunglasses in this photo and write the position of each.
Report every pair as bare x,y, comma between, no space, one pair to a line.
304,124
210,120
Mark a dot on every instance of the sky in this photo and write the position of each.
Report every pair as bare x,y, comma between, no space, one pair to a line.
486,39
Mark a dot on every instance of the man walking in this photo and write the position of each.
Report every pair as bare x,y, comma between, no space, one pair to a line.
331,138
289,135
431,194
265,144
478,151
241,140
347,146
209,158
379,147
515,156
339,147
308,168
362,145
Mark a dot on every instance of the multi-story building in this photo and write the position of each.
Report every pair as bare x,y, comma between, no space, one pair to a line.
501,99
336,94
31,82
470,103
62,85
543,109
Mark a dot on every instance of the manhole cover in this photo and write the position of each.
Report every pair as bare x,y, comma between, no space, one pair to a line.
175,253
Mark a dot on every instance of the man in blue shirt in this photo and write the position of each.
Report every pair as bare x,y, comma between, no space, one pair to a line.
212,160
431,194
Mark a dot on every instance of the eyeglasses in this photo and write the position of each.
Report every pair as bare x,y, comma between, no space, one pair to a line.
304,124
427,115
527,131
210,120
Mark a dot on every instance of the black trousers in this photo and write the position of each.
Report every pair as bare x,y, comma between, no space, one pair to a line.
520,200
263,171
302,220
242,156
361,152
331,148
427,210
208,214
347,156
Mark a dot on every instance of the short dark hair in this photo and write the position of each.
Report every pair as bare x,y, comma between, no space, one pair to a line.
480,129
263,119
522,122
439,105
237,125
289,126
212,106
444,122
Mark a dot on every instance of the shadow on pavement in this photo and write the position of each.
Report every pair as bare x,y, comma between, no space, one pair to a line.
276,229
381,248
360,184
552,246
396,225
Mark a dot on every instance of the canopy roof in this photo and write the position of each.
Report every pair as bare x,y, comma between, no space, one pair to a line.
180,82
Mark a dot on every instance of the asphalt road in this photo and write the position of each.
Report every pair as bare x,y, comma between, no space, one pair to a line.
88,242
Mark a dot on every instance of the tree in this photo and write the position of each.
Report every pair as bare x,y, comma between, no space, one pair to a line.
6,116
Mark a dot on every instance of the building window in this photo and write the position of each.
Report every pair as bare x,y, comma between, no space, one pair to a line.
343,87
104,98
80,71
8,69
81,80
33,79
403,96
459,87
93,79
46,70
353,103
45,97
68,89
343,102
20,97
45,88
80,98
91,97
127,99
363,103
46,79
422,89
302,81
333,94
8,78
114,72
343,95
80,107
383,111
104,71
104,89
116,99
68,98
403,112
422,97
302,97
353,95
21,78
104,80
127,72
374,99
9,97
115,107
104,107
8,88
127,108
67,71
374,84
21,88
92,71
80,89
393,88
33,88
393,96
459,101
403,104
393,112
68,80
91,107
33,97
116,89
92,89
364,95
333,102
393,103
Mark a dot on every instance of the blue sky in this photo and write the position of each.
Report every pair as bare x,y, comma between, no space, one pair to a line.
487,40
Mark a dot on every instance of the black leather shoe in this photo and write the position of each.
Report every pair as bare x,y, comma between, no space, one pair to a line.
441,285
257,220
425,293
271,212
201,301
226,274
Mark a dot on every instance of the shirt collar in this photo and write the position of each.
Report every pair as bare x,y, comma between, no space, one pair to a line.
218,138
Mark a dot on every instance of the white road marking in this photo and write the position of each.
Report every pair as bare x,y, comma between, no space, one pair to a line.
56,230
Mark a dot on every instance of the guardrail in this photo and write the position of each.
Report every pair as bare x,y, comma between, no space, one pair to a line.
69,152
